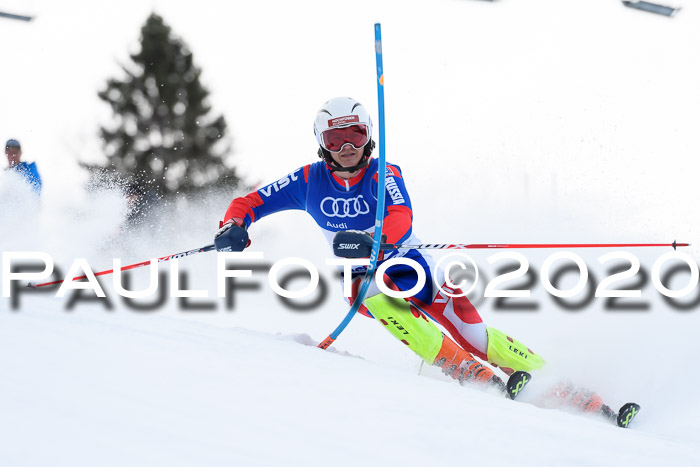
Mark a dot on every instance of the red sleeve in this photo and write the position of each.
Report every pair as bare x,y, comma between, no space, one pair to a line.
397,223
244,206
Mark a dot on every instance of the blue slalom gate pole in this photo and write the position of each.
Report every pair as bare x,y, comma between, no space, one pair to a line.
381,194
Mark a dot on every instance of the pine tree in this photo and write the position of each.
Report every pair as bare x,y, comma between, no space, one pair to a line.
162,132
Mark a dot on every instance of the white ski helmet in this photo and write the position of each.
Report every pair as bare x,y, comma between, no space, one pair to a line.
343,112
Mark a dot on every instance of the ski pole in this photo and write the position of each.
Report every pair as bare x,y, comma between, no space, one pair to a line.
133,266
381,192
474,246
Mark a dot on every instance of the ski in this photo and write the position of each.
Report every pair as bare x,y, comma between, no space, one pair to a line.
624,416
627,414
516,383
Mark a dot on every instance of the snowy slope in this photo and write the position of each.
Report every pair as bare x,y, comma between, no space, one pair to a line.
179,387
538,121
118,390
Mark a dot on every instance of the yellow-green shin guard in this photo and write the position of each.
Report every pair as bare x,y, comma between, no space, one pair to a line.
419,334
508,353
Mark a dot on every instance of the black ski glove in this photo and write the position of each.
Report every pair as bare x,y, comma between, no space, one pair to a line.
231,237
352,244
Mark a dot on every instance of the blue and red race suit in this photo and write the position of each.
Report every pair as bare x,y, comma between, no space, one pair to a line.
339,204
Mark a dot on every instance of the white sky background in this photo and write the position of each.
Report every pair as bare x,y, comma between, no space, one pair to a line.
576,106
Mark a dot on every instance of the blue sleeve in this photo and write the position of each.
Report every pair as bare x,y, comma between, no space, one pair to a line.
289,192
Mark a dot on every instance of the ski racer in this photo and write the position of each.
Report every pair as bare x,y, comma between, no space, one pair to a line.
340,193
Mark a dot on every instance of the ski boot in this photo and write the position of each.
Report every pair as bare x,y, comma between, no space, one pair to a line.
462,366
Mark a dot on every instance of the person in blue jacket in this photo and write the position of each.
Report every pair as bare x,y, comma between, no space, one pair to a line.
13,151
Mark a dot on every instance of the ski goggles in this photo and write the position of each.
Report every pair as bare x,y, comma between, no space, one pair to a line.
335,138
